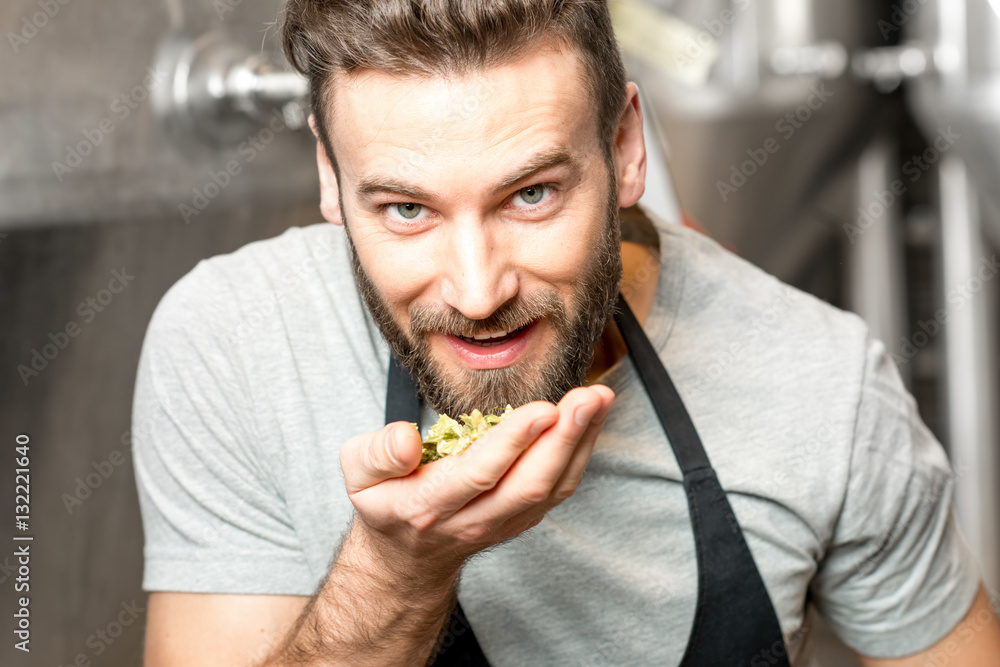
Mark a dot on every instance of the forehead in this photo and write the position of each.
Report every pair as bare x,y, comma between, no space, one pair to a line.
479,122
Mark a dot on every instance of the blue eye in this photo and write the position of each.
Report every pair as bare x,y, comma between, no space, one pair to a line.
532,194
408,210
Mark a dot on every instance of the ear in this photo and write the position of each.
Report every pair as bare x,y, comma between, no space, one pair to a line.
329,204
629,151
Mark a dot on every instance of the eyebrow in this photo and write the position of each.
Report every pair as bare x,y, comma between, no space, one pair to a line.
553,157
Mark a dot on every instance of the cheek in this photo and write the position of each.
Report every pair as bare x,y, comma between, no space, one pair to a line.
401,271
559,254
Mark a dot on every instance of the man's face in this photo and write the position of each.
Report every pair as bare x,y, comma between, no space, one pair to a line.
483,220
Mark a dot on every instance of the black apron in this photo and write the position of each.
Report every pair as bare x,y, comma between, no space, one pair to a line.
734,619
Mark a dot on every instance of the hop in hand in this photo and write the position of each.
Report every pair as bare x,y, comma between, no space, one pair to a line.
449,437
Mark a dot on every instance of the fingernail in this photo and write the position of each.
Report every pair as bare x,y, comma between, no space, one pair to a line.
392,449
584,414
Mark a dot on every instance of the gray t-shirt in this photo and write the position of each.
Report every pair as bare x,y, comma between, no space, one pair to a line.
259,364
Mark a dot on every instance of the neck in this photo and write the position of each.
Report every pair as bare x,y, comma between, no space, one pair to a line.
640,273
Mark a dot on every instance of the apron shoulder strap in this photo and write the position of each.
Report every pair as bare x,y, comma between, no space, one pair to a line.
734,622
667,402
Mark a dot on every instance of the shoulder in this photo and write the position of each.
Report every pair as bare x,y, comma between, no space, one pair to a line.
232,294
265,265
743,314
251,315
773,378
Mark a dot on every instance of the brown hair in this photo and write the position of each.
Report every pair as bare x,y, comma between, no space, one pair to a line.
449,37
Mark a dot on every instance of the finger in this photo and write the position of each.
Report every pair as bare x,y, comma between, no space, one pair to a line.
532,478
573,438
522,522
573,474
369,459
480,467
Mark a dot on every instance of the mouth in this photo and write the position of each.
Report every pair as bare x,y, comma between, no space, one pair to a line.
493,339
495,349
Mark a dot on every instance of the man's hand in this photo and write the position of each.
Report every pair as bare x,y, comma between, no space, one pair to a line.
442,513
392,586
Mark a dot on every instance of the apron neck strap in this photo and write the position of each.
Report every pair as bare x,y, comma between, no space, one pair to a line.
667,402
402,403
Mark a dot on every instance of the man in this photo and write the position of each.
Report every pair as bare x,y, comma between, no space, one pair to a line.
474,157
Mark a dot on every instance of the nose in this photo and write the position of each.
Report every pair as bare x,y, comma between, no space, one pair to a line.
479,276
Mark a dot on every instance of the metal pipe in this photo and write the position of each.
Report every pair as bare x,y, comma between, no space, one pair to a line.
971,360
220,91
876,280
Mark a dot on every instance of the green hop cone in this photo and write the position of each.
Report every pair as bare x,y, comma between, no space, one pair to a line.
449,437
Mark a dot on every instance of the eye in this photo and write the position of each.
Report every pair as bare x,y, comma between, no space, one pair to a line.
407,210
532,194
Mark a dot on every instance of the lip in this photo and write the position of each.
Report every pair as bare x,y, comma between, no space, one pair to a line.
505,354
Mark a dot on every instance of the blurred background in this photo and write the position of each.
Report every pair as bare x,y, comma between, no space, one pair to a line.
851,149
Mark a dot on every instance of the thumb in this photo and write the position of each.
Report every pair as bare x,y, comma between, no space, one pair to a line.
372,458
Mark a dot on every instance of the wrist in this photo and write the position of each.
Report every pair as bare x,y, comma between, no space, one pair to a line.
400,571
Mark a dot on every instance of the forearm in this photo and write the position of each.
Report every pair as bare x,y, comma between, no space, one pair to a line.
373,608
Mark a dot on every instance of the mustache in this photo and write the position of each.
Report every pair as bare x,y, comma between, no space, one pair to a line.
510,316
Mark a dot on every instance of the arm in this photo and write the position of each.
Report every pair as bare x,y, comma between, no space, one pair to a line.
897,580
364,610
370,610
392,586
206,629
975,642
195,629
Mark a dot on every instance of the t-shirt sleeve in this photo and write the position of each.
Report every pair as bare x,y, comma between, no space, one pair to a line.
209,492
897,575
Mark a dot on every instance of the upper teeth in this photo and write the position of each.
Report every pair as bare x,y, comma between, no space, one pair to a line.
487,336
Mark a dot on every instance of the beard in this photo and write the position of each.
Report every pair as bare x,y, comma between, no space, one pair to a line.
562,367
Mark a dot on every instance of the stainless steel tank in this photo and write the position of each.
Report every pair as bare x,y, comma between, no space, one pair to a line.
961,86
93,175
758,108
88,136
958,93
